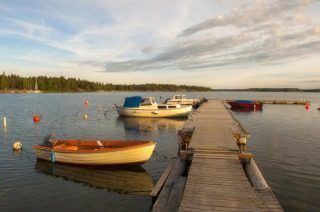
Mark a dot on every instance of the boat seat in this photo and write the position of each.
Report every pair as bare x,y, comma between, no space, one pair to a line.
65,147
99,143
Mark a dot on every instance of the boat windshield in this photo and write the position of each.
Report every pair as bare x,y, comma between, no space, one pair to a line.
179,96
147,101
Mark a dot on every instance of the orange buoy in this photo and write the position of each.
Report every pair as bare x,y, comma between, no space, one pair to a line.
36,118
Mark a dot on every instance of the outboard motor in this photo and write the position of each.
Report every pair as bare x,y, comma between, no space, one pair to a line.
49,140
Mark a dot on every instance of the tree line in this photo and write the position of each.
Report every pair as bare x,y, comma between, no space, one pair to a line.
272,90
62,84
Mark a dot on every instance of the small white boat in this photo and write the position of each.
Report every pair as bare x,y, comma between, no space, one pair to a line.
95,152
147,107
182,100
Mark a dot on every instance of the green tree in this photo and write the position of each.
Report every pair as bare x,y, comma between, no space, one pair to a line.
4,82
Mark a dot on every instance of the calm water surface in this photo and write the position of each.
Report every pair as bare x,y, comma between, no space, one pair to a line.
284,139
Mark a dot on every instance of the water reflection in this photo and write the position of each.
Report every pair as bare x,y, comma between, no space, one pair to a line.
4,133
247,110
123,180
150,124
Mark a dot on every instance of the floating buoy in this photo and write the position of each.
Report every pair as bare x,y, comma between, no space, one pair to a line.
85,116
307,106
17,146
36,118
86,103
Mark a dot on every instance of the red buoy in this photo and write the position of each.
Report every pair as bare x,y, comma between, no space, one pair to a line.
307,106
86,103
36,118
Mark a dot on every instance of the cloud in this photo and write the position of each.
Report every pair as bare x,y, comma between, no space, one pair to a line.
238,50
148,49
309,81
30,29
251,14
181,56
265,33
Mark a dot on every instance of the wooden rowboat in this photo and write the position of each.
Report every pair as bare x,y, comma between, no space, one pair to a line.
95,152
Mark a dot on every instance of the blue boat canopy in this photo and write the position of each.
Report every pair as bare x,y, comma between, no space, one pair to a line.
133,101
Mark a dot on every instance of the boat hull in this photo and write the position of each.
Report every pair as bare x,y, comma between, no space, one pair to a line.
152,113
104,156
181,102
246,105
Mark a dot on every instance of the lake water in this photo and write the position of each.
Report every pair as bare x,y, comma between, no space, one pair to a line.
285,141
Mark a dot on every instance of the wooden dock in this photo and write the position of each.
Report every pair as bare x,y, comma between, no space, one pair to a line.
281,101
217,180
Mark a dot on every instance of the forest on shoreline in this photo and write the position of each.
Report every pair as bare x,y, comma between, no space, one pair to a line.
271,90
17,83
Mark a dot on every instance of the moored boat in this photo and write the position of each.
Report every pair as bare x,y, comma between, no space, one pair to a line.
95,152
147,107
248,104
182,100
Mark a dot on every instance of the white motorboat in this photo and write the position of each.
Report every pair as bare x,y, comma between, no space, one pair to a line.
147,107
182,100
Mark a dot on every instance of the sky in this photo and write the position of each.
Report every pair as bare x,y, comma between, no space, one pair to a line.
219,44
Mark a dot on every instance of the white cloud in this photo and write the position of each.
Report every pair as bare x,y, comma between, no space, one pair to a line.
266,33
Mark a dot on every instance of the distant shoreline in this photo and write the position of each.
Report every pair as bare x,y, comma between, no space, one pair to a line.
17,91
270,90
15,84
42,84
33,92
